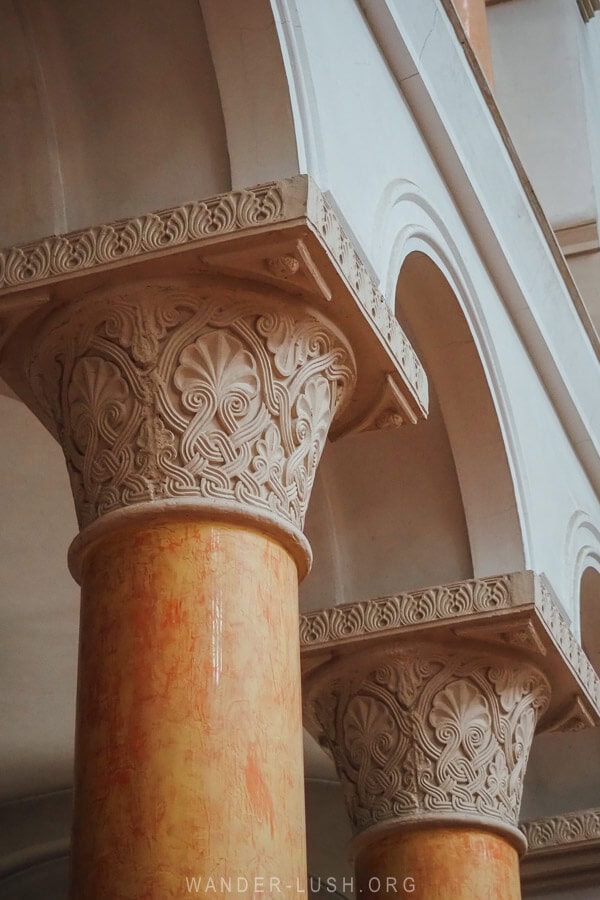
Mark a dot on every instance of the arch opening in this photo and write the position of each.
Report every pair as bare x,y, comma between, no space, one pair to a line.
428,504
433,317
589,605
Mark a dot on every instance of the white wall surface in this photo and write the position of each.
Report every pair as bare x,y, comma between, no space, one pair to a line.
589,59
538,85
386,516
562,774
382,174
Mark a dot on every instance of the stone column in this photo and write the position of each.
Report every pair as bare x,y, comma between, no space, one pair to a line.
191,361
431,742
192,417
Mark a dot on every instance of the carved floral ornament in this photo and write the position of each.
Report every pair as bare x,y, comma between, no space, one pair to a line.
182,392
428,733
549,834
296,203
128,238
356,620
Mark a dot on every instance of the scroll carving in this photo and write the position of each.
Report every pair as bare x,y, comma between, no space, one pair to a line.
429,733
372,300
165,392
199,222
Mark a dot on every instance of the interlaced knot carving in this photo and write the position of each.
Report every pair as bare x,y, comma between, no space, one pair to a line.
430,733
164,392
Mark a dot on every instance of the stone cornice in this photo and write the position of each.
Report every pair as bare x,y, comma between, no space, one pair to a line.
516,610
575,240
554,833
64,255
563,853
369,617
284,235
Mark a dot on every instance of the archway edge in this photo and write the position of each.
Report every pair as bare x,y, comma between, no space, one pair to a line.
257,102
582,552
409,224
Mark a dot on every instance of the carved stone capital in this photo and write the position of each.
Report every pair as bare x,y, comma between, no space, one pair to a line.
428,733
282,235
428,700
194,395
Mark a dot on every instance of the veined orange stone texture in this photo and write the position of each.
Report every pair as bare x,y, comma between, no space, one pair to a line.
439,864
189,733
473,15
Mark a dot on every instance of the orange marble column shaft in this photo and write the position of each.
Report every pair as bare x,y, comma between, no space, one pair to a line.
442,863
189,748
473,15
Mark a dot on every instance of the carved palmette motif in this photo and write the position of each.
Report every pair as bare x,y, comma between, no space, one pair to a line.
428,734
556,831
164,392
128,238
398,610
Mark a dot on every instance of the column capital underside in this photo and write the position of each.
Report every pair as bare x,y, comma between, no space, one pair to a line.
285,235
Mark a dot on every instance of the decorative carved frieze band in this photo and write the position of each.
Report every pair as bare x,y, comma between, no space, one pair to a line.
361,281
559,628
190,392
554,832
211,225
427,732
517,610
372,616
129,238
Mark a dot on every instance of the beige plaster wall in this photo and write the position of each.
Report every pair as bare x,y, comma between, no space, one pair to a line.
110,109
39,608
386,516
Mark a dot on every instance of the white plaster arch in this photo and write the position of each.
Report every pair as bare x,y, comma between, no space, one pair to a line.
407,223
582,552
303,98
268,97
258,105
